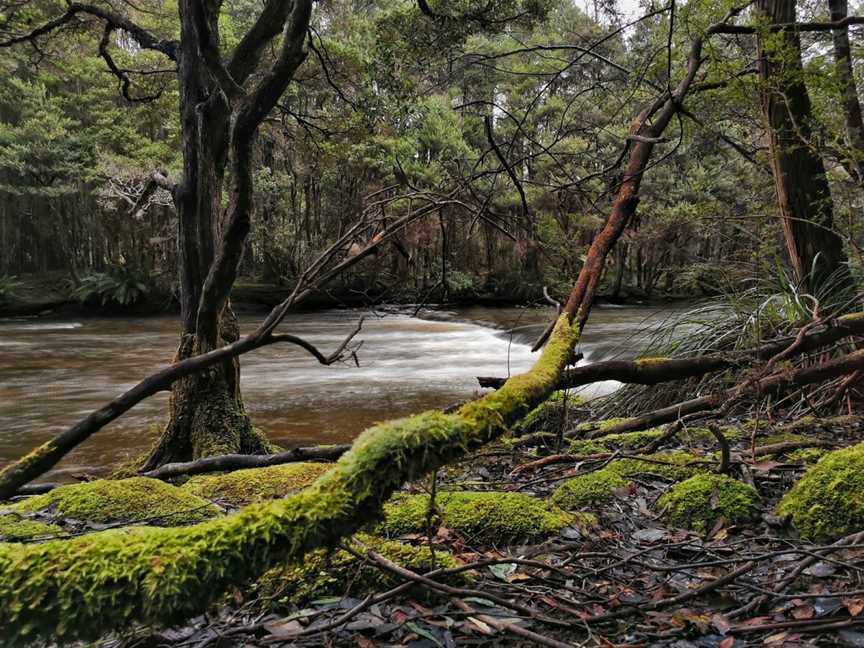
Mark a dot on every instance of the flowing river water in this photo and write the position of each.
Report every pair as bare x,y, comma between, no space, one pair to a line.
55,371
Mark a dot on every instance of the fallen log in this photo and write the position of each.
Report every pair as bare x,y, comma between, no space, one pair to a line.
775,382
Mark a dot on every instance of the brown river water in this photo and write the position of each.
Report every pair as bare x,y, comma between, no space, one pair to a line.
55,371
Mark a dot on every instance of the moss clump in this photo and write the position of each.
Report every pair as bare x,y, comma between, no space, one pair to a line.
671,465
323,573
587,448
807,424
697,503
828,501
630,439
600,426
256,484
125,500
481,516
589,490
14,527
703,434
781,437
644,437
806,455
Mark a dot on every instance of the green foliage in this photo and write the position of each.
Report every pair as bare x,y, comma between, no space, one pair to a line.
827,503
480,516
698,502
9,289
589,490
15,527
121,286
256,484
137,499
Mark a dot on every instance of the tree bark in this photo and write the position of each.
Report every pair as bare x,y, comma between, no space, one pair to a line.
804,198
851,104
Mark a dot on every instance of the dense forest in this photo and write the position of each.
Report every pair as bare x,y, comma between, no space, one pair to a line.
301,174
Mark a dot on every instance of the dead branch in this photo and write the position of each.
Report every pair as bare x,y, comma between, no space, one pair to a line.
653,371
240,461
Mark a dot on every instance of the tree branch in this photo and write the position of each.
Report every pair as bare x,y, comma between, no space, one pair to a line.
117,21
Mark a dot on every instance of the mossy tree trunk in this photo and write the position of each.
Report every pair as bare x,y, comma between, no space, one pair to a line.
207,416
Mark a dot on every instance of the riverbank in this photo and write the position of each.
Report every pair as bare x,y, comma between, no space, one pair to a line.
53,295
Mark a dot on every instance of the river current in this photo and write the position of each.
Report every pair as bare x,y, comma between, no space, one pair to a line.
55,371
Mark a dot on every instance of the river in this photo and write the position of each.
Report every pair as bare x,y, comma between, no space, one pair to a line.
54,371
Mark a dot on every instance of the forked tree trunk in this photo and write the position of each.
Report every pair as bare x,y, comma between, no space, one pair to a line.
219,121
804,198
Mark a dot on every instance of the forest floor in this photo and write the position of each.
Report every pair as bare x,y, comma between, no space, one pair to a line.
644,550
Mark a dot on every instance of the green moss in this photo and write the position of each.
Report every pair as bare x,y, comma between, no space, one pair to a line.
486,516
15,527
256,484
647,362
703,434
806,424
698,502
806,455
828,501
672,465
630,439
323,573
86,586
589,490
600,426
641,438
781,437
587,448
125,500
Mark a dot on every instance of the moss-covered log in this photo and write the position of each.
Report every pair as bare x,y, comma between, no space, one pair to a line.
83,587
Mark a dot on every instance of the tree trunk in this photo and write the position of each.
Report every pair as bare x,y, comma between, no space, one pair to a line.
206,413
851,105
803,195
207,416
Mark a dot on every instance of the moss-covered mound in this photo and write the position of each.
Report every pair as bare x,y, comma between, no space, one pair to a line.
256,484
138,499
338,573
15,527
492,517
589,490
698,502
828,501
